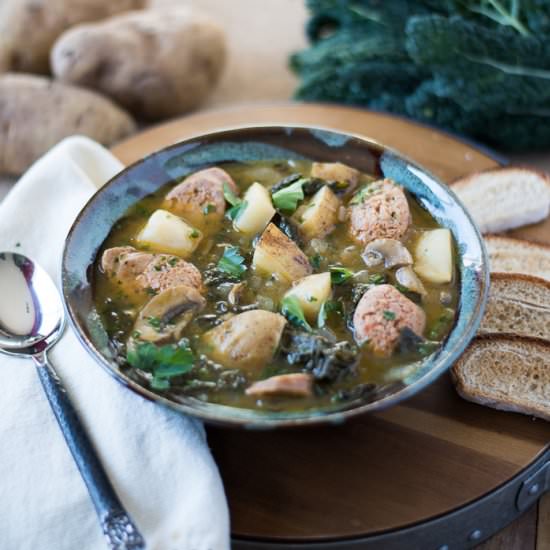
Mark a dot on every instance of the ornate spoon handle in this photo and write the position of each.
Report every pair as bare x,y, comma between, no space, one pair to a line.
118,528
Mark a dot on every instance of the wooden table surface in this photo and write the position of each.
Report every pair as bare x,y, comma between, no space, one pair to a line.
470,449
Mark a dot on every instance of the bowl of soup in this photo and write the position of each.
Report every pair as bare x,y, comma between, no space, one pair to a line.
275,276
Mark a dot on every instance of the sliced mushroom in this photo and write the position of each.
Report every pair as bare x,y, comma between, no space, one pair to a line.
406,277
168,313
391,251
235,294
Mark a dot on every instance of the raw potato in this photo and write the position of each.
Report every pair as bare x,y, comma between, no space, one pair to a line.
257,212
276,254
311,292
29,28
36,113
318,218
168,233
157,64
434,256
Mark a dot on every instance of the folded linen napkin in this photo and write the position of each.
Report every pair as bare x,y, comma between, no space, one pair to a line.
158,460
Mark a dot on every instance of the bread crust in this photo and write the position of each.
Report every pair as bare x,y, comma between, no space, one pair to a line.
511,404
465,180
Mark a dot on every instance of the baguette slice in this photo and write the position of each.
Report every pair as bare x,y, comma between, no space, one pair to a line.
518,304
504,198
507,373
518,256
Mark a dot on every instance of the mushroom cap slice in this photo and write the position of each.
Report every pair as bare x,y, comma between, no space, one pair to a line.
393,251
247,341
406,277
168,313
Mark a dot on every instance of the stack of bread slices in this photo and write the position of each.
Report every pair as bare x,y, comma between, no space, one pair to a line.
507,366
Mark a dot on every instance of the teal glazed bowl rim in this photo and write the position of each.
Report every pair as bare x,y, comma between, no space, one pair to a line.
271,142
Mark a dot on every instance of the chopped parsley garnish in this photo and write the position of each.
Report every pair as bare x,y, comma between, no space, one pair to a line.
426,347
315,261
441,325
388,315
235,211
173,261
231,262
154,322
229,195
339,274
208,209
287,198
162,362
377,279
327,307
194,234
291,309
363,193
151,291
312,299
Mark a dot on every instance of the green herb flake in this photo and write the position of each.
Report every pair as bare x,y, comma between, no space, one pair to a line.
365,191
194,234
287,198
377,279
388,315
291,309
173,261
232,262
327,307
441,324
234,212
312,299
339,275
426,348
162,362
208,209
154,322
229,195
315,261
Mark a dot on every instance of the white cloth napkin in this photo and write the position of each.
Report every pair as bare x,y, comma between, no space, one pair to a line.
158,460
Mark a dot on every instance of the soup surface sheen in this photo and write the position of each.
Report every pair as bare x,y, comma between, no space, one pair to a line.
341,367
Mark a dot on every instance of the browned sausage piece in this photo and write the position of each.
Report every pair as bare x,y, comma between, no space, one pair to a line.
382,212
380,316
199,198
290,385
136,271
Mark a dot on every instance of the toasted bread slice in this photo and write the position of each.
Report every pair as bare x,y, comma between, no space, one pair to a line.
504,198
518,256
507,373
518,304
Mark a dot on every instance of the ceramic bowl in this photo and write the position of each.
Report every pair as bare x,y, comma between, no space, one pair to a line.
173,163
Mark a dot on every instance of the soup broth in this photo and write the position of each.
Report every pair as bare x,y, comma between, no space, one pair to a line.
341,366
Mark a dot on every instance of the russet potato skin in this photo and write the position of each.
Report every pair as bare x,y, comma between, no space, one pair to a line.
276,254
38,113
156,64
319,217
29,28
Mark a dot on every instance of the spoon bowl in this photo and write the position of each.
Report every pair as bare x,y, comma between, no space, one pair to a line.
32,319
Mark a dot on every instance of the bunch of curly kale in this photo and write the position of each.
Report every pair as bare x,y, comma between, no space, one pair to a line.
476,67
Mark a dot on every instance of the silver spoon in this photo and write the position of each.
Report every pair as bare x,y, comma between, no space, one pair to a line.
32,320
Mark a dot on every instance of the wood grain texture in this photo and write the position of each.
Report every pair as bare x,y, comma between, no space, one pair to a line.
431,455
519,535
543,525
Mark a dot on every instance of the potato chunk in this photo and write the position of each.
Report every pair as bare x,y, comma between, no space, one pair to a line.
258,210
336,171
318,218
311,292
277,254
246,341
433,256
168,233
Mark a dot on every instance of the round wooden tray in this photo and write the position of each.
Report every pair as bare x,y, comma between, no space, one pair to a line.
426,458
